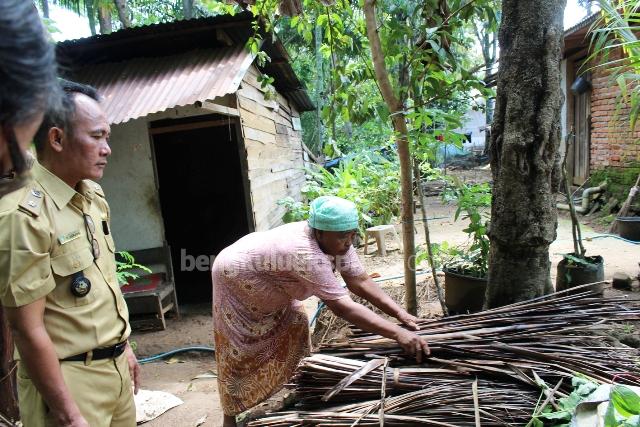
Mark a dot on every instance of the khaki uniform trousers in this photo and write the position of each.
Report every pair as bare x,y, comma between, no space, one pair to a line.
102,390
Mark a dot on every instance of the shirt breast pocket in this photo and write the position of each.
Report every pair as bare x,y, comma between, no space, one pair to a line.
64,266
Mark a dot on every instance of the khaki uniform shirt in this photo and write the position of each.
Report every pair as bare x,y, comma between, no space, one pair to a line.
44,241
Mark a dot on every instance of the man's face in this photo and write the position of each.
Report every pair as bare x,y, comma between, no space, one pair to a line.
335,242
86,147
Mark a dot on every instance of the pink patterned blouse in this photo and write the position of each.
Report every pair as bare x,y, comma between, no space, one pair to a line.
281,265
260,329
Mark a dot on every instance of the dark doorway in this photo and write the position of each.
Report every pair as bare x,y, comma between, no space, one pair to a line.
202,196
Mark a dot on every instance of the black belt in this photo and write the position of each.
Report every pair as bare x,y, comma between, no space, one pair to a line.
99,353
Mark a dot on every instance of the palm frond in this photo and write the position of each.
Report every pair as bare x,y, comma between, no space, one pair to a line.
616,30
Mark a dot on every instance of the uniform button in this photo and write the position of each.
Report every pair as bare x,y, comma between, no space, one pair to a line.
31,203
37,193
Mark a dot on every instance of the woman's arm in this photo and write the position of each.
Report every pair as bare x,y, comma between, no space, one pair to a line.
367,320
366,288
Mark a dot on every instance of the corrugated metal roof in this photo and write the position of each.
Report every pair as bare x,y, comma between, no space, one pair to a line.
135,54
138,87
582,24
161,39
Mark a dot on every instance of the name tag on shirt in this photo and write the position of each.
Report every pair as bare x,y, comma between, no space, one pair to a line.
66,238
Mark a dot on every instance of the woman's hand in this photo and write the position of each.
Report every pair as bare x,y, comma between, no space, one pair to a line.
412,344
409,320
368,321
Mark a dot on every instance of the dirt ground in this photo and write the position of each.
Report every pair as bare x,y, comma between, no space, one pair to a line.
200,396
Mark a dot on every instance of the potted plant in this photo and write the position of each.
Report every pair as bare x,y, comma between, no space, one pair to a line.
576,268
465,269
628,226
127,269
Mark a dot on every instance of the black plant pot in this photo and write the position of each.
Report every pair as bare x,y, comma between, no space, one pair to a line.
629,227
572,274
463,293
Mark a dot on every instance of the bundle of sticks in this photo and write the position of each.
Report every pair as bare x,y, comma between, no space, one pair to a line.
497,367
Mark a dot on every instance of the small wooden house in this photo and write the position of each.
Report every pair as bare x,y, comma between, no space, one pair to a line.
201,152
604,144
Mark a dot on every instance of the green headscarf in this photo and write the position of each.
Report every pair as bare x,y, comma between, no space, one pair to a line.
331,213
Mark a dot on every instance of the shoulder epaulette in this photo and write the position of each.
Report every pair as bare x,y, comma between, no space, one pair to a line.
32,201
96,187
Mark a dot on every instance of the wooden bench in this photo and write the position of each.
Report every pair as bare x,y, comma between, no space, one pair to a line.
152,295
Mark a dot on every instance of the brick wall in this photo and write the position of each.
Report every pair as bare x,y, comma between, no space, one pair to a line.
613,144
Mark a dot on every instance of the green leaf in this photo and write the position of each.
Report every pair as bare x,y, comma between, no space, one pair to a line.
633,421
622,83
555,416
625,400
577,259
586,388
610,416
537,423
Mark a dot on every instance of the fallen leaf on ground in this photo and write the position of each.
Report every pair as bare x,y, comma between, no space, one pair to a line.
173,360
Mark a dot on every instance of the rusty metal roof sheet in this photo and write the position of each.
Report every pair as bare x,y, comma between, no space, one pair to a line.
135,88
116,60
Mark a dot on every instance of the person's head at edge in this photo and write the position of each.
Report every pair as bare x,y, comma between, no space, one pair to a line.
73,141
28,86
334,222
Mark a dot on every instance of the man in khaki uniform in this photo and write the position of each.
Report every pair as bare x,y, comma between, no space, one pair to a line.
58,278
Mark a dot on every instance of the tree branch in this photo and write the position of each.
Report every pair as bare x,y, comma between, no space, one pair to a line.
404,156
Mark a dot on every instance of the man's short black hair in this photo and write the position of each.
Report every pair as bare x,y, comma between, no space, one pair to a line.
63,116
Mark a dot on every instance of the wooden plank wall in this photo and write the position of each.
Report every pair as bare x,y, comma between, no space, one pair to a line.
274,150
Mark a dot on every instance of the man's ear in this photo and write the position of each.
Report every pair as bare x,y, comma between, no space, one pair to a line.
55,139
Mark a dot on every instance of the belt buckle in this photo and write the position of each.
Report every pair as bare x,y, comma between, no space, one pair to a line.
118,349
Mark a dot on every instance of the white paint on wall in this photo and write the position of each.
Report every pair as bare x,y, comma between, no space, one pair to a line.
474,123
129,183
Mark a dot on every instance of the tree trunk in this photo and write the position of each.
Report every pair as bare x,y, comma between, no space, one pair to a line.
402,141
8,398
187,9
123,13
45,8
104,20
319,89
91,15
524,149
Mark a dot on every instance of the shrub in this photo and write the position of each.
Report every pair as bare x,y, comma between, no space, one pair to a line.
372,184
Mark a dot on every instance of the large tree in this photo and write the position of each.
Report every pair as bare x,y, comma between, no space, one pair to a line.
524,150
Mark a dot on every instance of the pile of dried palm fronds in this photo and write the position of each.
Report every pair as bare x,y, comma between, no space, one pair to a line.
497,367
